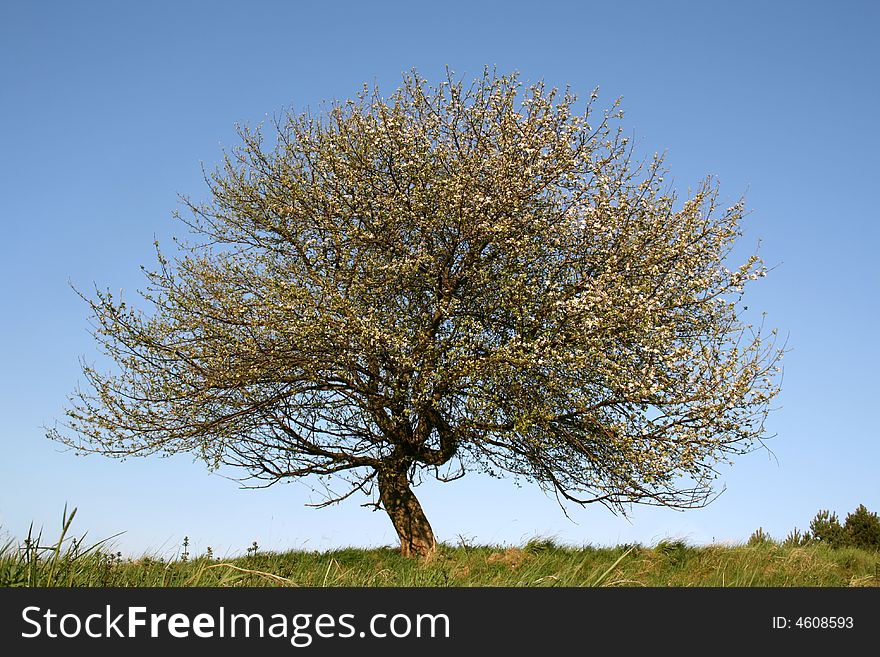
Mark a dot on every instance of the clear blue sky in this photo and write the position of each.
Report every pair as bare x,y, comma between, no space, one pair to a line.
108,109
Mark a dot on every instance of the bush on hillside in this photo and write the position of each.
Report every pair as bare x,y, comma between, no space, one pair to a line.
862,529
825,528
759,537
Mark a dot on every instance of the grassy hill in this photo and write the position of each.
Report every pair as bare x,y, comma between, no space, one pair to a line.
538,563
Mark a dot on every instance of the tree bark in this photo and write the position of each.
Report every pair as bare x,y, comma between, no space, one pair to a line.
401,505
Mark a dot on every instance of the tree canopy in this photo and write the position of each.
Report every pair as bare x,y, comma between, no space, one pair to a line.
460,277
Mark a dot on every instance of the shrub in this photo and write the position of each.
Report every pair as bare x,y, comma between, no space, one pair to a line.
796,538
759,537
825,528
862,529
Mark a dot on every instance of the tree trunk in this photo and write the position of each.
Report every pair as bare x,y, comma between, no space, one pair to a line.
401,505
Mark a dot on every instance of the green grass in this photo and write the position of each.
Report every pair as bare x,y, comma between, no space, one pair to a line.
70,562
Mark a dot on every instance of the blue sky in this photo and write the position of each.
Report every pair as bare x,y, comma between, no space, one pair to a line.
107,111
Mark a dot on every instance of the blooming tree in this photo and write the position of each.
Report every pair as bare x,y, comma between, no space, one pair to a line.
457,277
